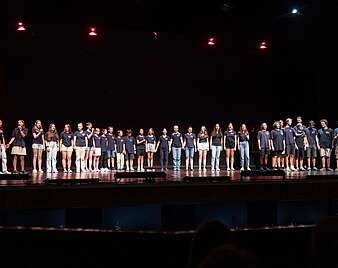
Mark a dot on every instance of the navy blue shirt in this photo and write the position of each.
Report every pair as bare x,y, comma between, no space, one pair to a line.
37,140
104,143
52,137
119,144
202,138
66,138
80,138
142,145
19,140
264,137
96,140
336,136
176,140
111,141
189,140
217,139
90,138
151,139
300,137
311,134
130,142
164,142
243,137
289,135
277,137
230,137
325,137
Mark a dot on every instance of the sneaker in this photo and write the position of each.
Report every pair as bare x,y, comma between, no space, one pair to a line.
228,169
138,169
293,169
323,169
40,171
261,169
217,169
78,171
6,172
55,171
287,169
308,169
242,168
142,170
65,171
132,169
34,171
232,169
314,169
329,169
70,171
102,170
49,171
248,168
83,170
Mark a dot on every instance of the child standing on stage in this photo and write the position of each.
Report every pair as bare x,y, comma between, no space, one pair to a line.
216,145
190,148
230,143
19,145
164,145
202,147
335,145
96,149
140,149
111,150
104,151
120,150
150,147
80,145
277,145
301,142
66,147
176,145
90,148
130,150
38,146
313,143
243,147
3,148
290,145
52,148
282,157
264,146
325,136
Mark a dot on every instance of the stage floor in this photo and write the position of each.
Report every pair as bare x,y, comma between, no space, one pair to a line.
172,176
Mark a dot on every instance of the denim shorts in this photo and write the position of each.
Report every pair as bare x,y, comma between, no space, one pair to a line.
111,153
37,146
189,152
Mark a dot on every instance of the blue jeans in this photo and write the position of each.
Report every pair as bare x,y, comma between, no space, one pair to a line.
244,150
189,152
215,153
164,158
177,157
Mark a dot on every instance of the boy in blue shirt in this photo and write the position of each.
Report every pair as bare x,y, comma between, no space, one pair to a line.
325,136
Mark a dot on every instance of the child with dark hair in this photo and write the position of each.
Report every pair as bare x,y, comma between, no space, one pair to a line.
80,145
190,148
301,142
89,155
325,136
230,144
111,150
140,149
38,145
120,150
104,149
164,145
290,145
264,146
52,147
130,150
313,143
277,145
96,149
216,145
19,149
150,147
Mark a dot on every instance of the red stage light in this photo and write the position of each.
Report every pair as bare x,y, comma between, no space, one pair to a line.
92,31
20,26
263,45
211,41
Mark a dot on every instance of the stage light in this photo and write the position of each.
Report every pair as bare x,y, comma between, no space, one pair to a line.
294,11
156,35
92,31
211,41
263,45
20,26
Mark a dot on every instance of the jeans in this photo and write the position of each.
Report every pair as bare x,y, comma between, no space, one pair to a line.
164,158
104,160
51,156
244,150
189,152
80,162
177,157
215,153
3,157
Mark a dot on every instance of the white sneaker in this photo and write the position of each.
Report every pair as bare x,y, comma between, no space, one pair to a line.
49,171
248,168
70,171
218,169
242,168
83,170
102,170
55,171
132,169
232,169
6,172
40,171
127,169
78,171
228,169
34,171
142,169
65,171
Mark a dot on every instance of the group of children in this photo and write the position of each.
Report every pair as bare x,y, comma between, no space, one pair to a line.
98,149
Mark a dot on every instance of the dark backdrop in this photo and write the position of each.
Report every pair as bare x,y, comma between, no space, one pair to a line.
126,77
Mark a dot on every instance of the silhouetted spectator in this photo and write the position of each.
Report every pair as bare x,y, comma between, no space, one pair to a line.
208,236
229,256
325,244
